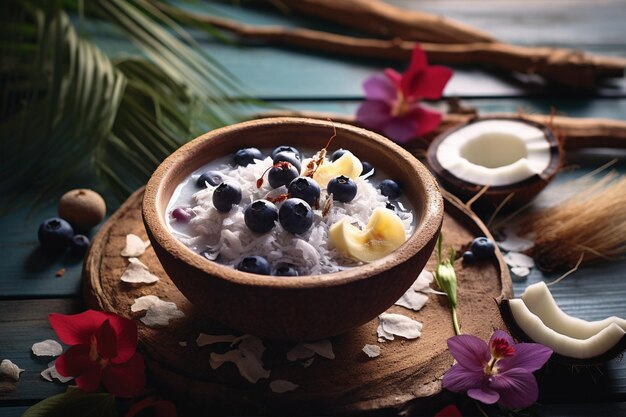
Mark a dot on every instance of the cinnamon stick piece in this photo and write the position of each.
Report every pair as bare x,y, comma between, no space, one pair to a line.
388,21
577,133
560,66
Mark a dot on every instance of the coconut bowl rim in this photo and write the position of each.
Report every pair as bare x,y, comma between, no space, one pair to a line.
427,227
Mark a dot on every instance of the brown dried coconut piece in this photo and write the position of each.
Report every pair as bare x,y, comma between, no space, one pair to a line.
82,207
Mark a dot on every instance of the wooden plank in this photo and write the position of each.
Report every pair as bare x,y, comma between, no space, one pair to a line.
23,323
282,73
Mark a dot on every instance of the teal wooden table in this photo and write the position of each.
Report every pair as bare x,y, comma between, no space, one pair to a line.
303,80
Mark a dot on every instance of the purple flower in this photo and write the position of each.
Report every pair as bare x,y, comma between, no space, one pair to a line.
499,372
392,101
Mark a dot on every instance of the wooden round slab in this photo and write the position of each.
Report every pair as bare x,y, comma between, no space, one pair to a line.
405,373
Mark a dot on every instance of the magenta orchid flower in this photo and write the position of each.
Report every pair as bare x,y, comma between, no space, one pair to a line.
392,101
499,372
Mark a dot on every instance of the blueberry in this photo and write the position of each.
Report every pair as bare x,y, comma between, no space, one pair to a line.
390,188
367,167
260,216
55,233
469,257
295,216
226,195
306,189
483,248
254,265
281,175
390,206
214,178
342,188
286,270
286,148
183,214
246,156
337,154
290,157
79,245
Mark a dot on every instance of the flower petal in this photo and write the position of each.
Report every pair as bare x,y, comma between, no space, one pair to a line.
429,83
400,129
77,329
379,87
517,388
125,379
75,361
90,381
501,334
373,114
161,408
106,340
469,351
395,77
461,379
484,395
126,332
529,356
427,120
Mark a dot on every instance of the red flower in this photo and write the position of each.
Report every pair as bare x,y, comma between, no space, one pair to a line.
160,408
102,348
392,101
449,411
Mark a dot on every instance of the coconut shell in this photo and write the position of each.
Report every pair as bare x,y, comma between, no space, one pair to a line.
523,191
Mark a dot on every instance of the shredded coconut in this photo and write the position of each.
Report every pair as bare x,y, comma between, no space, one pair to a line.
280,386
371,351
158,312
520,271
47,348
10,370
307,350
514,243
137,273
225,234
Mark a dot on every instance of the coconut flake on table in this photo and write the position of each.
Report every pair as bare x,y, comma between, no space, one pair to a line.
158,312
280,386
138,273
10,370
135,246
520,271
415,298
308,362
48,347
398,325
516,259
371,351
324,348
247,356
51,373
204,339
514,243
311,252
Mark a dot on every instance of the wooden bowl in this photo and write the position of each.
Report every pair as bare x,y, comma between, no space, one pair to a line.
307,307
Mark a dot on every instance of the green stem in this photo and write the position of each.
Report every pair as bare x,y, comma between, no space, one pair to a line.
481,409
455,322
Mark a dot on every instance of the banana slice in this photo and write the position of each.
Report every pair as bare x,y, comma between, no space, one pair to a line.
348,165
383,234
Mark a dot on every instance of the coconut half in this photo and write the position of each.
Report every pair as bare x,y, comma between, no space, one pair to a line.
509,155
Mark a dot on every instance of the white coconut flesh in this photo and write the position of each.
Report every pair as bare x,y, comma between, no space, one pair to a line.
495,152
540,302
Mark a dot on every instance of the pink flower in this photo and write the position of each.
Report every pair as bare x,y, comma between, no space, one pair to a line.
499,372
153,407
102,348
449,411
392,100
